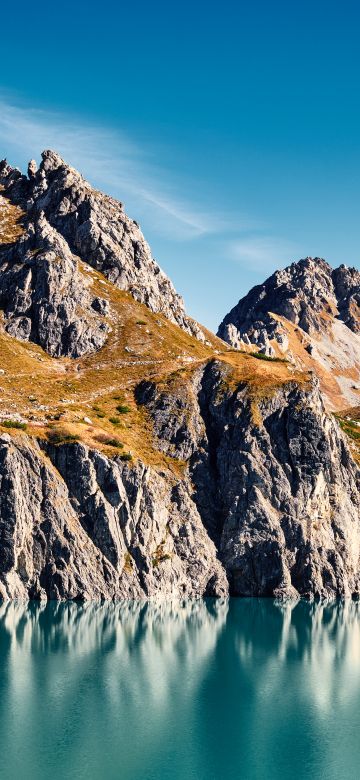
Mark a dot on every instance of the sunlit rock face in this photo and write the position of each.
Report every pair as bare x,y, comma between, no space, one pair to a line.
274,483
77,525
310,314
45,297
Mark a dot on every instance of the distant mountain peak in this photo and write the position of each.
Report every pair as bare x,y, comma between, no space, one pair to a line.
322,308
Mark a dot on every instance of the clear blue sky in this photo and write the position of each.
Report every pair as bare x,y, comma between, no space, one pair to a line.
230,130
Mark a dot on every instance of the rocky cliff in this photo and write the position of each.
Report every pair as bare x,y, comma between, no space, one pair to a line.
76,525
273,480
268,503
137,460
309,313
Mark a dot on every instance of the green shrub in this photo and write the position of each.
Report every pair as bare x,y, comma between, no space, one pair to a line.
140,322
123,409
115,420
260,356
14,424
114,443
59,436
108,440
126,456
349,427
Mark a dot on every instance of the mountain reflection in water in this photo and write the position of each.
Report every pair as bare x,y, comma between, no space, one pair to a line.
193,690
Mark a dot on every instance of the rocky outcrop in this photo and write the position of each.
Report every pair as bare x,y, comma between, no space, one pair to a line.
95,228
269,503
76,525
45,297
306,308
304,293
274,483
346,283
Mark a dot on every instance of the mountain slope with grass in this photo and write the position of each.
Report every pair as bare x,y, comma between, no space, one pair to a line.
140,455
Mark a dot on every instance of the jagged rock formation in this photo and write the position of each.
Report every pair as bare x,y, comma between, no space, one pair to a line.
76,525
157,464
95,228
307,309
44,296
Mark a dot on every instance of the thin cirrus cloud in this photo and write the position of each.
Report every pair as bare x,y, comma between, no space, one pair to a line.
263,254
112,162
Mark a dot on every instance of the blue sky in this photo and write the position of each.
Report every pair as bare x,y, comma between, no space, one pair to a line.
230,130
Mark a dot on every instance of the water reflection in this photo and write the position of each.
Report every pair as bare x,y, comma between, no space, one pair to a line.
206,689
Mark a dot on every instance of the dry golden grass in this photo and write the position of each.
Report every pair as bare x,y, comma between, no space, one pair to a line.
10,221
349,420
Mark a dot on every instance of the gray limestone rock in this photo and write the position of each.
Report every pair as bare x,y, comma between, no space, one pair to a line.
75,525
46,298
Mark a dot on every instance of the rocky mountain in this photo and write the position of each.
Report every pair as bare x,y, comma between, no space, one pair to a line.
138,460
64,218
310,314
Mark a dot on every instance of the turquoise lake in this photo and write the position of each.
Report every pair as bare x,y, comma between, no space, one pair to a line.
202,690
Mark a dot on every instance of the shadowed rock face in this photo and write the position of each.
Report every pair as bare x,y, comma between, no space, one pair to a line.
94,227
279,495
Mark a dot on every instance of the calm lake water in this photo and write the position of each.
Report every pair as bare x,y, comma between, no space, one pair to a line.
193,691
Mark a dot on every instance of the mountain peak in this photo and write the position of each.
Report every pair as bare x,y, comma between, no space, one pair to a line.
51,160
95,230
305,309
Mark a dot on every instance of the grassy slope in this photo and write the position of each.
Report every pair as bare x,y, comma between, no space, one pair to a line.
59,392
349,420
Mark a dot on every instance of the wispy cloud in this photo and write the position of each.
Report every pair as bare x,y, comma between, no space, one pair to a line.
263,254
111,161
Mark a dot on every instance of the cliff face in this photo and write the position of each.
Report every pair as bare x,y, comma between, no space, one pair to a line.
154,463
274,483
76,525
309,313
45,297
268,503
